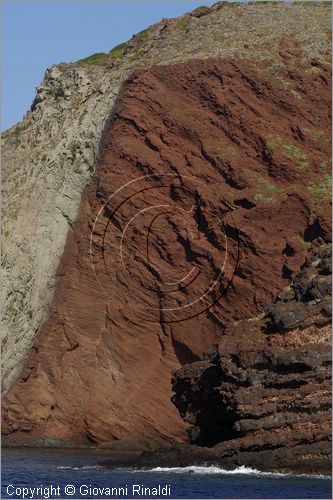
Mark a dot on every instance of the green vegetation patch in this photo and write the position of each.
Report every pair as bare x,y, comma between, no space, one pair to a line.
224,3
290,151
293,153
315,3
324,164
268,2
266,191
199,9
144,35
97,57
322,189
117,51
273,141
318,135
305,244
182,23
225,153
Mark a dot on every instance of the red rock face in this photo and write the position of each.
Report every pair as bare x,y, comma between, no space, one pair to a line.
231,183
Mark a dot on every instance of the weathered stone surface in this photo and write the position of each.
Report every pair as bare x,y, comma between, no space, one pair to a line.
44,174
50,156
265,398
308,300
98,368
100,365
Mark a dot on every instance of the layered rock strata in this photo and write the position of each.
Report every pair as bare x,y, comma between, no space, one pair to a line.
264,394
155,269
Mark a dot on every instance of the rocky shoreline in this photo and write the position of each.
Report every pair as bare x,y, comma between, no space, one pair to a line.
186,455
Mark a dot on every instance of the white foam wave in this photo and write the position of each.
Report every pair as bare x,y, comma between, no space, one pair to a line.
73,467
242,470
194,469
202,470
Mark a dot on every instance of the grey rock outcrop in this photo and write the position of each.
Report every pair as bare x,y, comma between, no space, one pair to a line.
46,168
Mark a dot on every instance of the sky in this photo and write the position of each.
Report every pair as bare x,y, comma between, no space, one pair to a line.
38,34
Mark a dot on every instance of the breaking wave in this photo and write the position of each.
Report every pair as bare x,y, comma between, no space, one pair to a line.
76,467
202,470
242,470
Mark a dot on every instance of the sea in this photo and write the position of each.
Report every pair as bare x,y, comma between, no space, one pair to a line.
73,474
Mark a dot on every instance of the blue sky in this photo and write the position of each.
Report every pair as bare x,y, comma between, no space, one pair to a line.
37,34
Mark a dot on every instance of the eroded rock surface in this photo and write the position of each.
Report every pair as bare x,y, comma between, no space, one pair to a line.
50,156
216,144
264,395
308,301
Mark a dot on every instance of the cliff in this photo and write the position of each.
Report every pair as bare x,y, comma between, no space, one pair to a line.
150,206
261,396
264,393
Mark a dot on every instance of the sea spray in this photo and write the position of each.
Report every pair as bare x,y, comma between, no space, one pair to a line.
242,470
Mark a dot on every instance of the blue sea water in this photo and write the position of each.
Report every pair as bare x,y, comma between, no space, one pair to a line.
77,469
